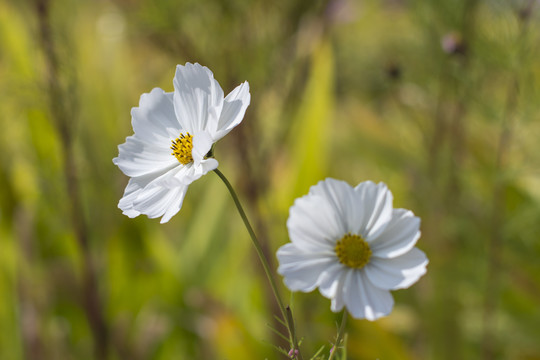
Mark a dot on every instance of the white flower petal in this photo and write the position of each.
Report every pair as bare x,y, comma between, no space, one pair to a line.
301,269
175,204
365,301
376,208
181,175
343,285
234,108
208,165
156,201
148,150
340,196
154,121
137,158
156,178
399,272
196,172
136,185
149,201
399,236
178,175
186,174
331,279
198,98
202,143
152,201
310,229
126,202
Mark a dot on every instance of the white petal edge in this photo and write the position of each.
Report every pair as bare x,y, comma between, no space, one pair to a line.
202,143
301,270
126,202
399,236
155,202
340,196
399,272
140,182
198,98
338,299
331,279
184,175
365,301
154,120
138,158
175,205
147,195
375,202
315,230
234,109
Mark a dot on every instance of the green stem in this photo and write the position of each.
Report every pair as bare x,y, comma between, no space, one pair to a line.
341,332
287,316
292,332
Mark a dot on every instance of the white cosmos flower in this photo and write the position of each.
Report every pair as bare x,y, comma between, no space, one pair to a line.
173,133
353,245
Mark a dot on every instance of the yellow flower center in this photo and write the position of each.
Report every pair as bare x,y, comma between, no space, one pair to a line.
182,147
353,251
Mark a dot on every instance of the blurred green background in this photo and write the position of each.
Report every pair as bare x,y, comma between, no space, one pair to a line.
439,99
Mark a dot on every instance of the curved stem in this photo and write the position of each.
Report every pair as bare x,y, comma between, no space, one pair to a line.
286,314
341,332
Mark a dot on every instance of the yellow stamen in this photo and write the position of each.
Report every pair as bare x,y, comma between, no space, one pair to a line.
182,147
353,251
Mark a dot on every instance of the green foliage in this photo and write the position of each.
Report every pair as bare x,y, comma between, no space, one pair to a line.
438,99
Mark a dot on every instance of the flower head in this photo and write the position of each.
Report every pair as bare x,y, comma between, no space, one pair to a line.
173,134
353,245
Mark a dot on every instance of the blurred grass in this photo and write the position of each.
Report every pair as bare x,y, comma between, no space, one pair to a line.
354,90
